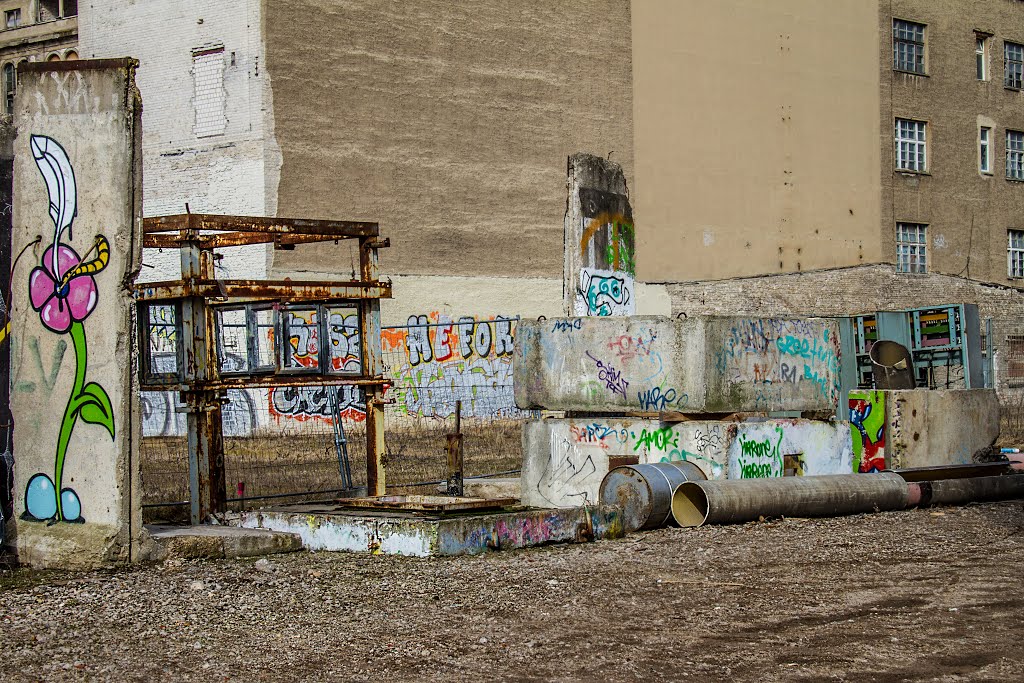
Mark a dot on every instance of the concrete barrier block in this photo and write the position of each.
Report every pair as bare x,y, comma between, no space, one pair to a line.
564,460
652,363
926,427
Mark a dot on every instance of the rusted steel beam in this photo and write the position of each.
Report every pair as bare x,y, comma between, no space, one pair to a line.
168,240
269,381
255,290
261,224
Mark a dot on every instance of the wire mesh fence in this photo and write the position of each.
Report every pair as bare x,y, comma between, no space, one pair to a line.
312,440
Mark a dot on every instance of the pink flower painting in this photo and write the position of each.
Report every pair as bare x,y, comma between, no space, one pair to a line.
60,302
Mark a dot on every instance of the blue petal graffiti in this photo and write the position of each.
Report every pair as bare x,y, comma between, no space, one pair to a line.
64,293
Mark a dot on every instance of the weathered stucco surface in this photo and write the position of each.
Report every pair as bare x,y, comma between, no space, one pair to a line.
448,123
939,427
77,182
564,460
758,152
700,364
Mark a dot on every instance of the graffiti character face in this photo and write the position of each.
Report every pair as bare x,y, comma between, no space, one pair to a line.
603,293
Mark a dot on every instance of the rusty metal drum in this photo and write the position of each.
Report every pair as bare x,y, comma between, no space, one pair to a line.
644,492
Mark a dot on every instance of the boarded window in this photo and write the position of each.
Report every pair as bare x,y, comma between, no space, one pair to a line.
209,98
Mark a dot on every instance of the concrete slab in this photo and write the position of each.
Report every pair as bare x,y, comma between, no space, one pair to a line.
896,429
214,542
489,488
564,460
697,365
331,528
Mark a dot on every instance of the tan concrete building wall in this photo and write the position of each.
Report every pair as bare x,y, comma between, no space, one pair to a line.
967,212
447,123
755,128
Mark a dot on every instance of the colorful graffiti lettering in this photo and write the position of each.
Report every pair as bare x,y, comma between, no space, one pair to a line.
567,325
63,290
774,353
760,457
322,403
611,377
434,361
656,399
596,434
867,417
660,439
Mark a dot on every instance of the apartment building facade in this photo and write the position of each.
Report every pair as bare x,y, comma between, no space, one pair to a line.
34,30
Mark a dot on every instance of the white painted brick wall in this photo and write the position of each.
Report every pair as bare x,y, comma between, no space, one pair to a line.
215,162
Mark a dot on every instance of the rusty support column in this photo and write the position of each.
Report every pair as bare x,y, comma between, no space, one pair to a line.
373,365
205,430
456,482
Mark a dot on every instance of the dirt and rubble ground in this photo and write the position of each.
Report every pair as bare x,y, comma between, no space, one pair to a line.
920,595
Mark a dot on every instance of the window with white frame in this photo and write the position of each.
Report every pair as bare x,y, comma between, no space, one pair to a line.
907,46
209,99
911,143
985,149
981,57
911,248
1013,74
1015,253
1015,155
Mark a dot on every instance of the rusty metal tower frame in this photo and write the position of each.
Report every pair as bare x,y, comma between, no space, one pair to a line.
197,297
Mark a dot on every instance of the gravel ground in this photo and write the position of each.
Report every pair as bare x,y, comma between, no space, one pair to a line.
920,595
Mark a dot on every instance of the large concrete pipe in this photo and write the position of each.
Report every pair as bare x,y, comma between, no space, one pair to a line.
644,492
974,490
744,500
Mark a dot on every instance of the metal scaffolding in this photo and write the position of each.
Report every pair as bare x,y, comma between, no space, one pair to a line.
262,315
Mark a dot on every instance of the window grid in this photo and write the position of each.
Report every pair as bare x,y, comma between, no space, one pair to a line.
1014,71
985,150
907,46
980,56
1015,356
1015,253
910,145
911,248
1014,155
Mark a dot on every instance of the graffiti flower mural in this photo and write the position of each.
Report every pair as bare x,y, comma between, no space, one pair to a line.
64,293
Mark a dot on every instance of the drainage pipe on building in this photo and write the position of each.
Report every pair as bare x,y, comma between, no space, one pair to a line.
961,491
731,501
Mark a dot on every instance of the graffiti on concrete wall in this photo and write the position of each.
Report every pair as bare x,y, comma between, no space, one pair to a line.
607,256
435,360
759,458
604,292
322,403
774,354
63,290
867,421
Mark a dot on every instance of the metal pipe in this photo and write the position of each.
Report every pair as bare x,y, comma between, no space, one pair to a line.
743,500
975,490
644,491
936,472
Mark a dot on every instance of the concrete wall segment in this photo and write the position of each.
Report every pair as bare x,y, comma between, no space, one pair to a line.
564,460
695,365
77,179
